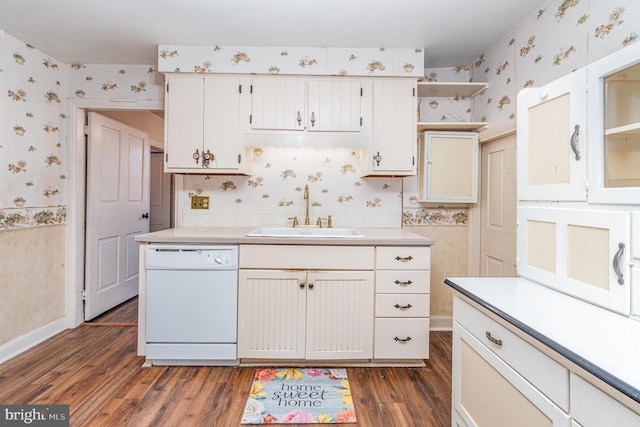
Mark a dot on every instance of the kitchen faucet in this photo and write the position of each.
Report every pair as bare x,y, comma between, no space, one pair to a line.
306,198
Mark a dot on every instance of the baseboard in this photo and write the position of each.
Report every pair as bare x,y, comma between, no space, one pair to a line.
31,339
441,323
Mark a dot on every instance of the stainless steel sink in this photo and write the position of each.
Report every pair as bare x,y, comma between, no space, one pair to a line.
304,232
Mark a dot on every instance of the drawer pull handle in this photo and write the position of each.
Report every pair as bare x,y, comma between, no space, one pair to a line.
574,142
403,307
402,339
404,259
616,263
398,282
496,341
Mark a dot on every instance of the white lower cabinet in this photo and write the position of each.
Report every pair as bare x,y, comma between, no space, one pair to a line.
349,303
501,381
402,303
316,315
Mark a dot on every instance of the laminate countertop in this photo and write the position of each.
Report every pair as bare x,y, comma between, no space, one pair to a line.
237,236
603,343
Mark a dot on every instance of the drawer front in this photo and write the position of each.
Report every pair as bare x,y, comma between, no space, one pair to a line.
402,305
403,281
402,338
291,257
592,407
403,257
551,378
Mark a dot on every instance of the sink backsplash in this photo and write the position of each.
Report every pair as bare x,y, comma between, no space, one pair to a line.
274,192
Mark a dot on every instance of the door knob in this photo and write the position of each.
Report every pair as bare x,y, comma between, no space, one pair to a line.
145,215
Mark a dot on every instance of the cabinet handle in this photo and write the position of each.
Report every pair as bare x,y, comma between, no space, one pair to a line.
196,156
616,263
206,158
377,158
407,339
299,118
398,282
313,119
310,285
403,307
302,285
496,341
404,259
574,142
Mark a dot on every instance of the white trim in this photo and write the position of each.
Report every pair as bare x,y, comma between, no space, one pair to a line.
441,323
31,339
76,191
491,134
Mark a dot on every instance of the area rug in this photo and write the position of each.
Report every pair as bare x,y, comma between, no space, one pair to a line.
299,396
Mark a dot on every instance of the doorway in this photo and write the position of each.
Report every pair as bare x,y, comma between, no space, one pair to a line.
78,110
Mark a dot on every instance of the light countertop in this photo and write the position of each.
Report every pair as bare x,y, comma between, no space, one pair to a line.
237,235
599,341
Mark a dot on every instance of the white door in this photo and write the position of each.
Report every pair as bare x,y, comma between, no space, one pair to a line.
498,208
159,194
117,210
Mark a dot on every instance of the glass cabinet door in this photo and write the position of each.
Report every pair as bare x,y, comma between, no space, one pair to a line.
614,135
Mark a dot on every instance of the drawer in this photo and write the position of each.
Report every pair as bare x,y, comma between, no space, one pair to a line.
548,376
403,281
403,257
292,257
592,407
401,338
402,305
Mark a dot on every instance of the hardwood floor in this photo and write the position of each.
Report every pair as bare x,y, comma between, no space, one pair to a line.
96,371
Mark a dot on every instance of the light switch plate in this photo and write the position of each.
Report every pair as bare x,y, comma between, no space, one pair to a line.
199,202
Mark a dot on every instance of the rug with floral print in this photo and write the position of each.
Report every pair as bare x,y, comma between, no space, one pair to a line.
299,396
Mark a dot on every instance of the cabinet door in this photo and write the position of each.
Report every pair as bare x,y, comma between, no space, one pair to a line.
183,122
551,140
340,315
488,392
614,128
584,253
271,314
222,122
334,105
278,104
393,150
448,167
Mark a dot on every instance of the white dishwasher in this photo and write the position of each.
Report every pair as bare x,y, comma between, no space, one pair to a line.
192,304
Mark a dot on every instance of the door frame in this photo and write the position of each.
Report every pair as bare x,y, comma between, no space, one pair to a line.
76,189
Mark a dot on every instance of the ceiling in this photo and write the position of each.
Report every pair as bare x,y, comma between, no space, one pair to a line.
452,32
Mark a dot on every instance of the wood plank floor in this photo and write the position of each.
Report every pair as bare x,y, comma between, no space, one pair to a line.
97,372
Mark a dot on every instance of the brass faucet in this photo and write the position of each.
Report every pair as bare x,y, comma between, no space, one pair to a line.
307,221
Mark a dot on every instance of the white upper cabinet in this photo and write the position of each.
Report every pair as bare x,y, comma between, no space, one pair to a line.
393,147
448,167
278,104
552,158
614,128
202,125
313,105
334,105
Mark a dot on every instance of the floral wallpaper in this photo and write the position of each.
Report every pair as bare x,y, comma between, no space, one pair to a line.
33,125
32,137
554,40
398,62
274,193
